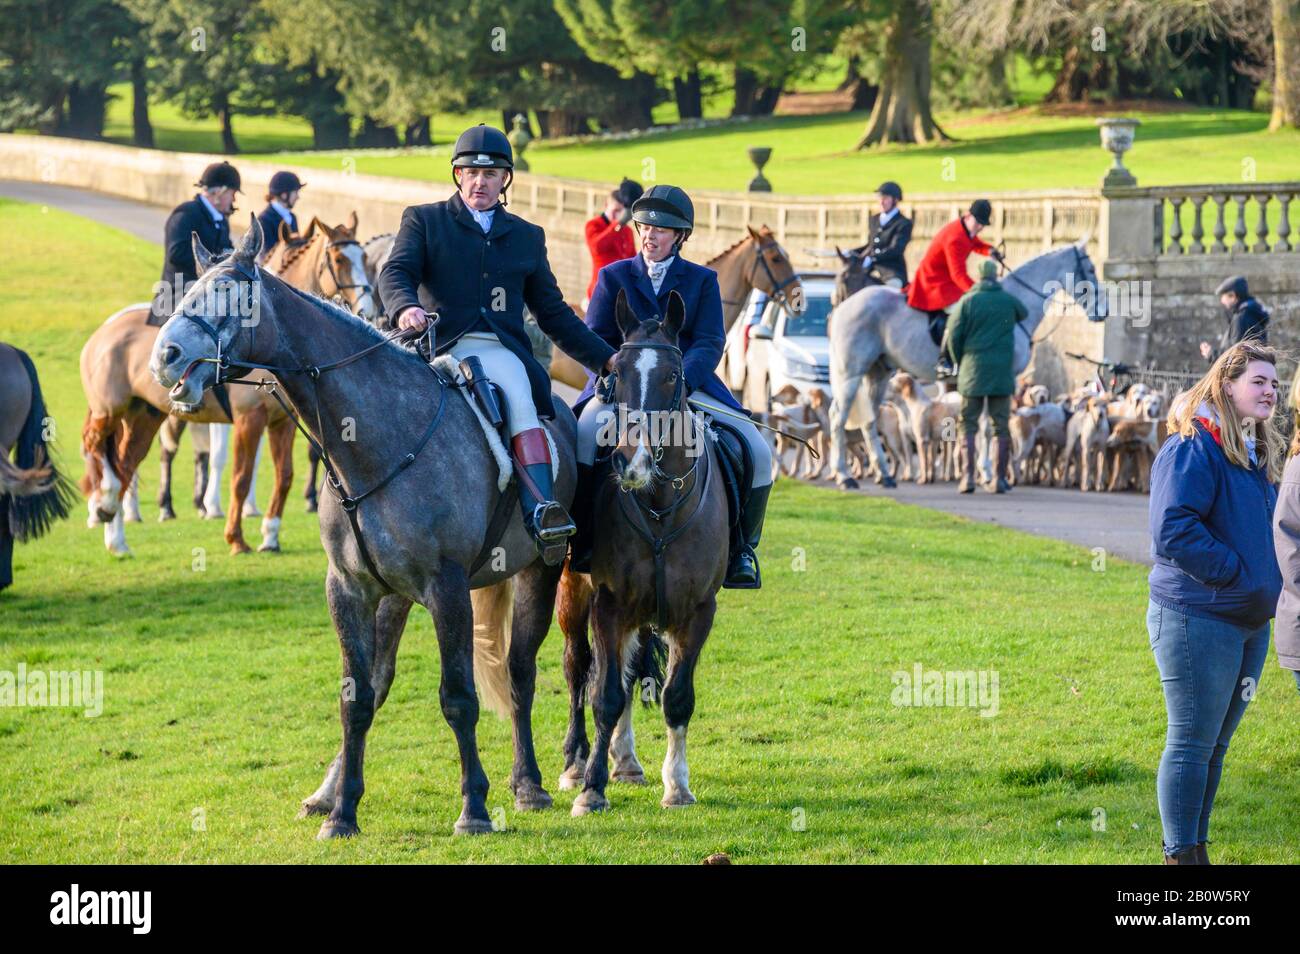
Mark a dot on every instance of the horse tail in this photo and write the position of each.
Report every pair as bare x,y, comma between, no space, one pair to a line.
32,514
493,615
649,665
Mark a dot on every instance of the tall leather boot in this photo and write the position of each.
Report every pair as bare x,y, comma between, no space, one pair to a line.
742,572
583,510
967,485
548,521
1003,463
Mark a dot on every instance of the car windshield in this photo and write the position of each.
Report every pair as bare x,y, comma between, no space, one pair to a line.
812,323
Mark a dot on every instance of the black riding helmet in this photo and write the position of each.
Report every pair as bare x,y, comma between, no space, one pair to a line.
667,207
890,188
982,209
628,192
483,147
219,174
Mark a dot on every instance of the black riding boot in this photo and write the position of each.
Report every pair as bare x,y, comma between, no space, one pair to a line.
547,521
742,573
583,511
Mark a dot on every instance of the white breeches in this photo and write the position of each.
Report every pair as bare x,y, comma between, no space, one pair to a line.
505,371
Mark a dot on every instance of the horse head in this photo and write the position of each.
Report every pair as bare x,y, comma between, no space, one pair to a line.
772,271
344,273
650,394
851,277
216,320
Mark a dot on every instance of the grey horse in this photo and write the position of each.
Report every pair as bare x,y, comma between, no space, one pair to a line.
874,332
423,510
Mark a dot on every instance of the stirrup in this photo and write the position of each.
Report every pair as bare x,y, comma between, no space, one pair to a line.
552,523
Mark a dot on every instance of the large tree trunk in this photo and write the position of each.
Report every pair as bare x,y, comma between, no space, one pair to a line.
746,84
864,92
1286,60
555,123
84,117
376,135
1079,77
330,130
221,103
141,128
902,109
419,133
686,90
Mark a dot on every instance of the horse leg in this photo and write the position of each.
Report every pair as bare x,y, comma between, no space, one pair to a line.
200,437
627,767
354,621
169,436
250,502
846,391
310,492
131,501
390,621
219,450
534,605
137,433
607,699
248,429
453,618
871,428
280,437
574,612
679,701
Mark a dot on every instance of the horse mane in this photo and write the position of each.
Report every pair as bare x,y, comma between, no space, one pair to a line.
729,249
334,311
296,249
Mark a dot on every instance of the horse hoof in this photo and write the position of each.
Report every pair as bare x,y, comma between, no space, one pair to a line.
532,799
848,483
311,506
336,829
678,799
165,515
269,548
121,553
237,549
629,778
310,808
132,518
213,514
472,826
250,512
572,777
589,801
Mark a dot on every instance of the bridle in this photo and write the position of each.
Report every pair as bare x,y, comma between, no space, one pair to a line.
328,263
778,292
347,501
645,518
1008,273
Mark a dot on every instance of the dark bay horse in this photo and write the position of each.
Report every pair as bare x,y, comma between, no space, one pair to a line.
33,494
658,560
407,520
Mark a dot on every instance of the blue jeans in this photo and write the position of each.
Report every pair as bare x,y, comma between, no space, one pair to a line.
1210,671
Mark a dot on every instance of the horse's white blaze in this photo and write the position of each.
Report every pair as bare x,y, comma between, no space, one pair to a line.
357,261
271,532
638,468
676,776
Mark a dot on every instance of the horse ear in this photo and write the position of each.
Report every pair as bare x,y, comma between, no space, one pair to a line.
674,315
752,234
202,257
352,222
286,233
251,246
1085,238
627,321
311,228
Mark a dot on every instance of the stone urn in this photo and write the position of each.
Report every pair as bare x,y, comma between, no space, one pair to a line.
519,138
759,155
1117,137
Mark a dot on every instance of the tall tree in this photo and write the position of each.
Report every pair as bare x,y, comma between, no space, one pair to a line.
902,111
1286,64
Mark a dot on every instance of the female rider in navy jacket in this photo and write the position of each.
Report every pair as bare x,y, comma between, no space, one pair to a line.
664,218
1215,580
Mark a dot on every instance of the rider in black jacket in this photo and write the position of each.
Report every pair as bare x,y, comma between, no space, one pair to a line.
1247,318
208,214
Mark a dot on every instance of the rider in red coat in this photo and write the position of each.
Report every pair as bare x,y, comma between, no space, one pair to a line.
609,237
941,279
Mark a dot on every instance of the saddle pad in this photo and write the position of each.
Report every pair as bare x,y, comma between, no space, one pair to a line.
449,368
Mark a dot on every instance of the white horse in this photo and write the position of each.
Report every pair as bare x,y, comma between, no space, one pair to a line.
875,332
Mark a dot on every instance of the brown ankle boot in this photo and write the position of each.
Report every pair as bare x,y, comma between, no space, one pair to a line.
1188,856
1203,853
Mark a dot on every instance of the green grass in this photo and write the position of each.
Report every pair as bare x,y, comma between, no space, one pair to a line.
1021,149
221,684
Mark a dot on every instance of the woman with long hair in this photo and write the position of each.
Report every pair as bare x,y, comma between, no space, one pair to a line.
1215,582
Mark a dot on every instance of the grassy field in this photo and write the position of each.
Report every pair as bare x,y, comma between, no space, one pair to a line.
220,683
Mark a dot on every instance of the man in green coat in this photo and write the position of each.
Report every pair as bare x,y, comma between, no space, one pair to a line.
981,340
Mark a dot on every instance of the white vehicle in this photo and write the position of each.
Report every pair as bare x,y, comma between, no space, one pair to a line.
767,348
